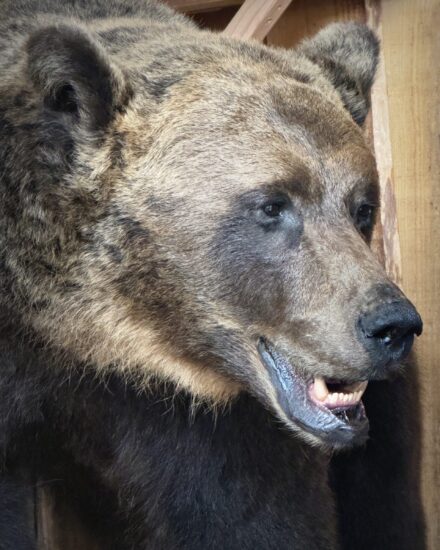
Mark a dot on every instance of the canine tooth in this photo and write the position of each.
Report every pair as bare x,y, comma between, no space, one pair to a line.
320,388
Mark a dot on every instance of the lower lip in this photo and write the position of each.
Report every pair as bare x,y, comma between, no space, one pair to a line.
312,417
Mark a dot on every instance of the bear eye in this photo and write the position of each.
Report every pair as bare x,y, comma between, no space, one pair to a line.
364,218
275,208
272,212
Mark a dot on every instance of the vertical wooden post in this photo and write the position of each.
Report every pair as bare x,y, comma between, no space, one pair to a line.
384,157
411,50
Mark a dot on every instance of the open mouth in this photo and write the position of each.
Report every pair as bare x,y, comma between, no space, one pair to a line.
331,410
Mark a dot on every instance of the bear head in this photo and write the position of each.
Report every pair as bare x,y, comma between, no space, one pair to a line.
193,209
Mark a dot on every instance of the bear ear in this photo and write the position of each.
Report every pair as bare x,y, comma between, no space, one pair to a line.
348,54
74,75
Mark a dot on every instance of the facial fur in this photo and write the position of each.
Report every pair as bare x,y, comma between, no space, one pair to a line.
136,169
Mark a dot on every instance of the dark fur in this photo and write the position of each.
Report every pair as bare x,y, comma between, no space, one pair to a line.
177,479
16,519
141,471
379,501
137,274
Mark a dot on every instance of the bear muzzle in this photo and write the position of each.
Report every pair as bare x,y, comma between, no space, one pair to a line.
331,410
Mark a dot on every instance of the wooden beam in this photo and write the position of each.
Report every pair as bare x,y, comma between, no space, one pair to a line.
204,5
256,18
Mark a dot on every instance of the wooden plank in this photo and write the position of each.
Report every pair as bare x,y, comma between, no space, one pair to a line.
411,48
383,153
256,18
194,6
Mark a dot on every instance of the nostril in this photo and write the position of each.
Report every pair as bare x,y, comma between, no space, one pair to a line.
389,334
391,321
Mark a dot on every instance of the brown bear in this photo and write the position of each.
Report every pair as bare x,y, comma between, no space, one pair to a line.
190,310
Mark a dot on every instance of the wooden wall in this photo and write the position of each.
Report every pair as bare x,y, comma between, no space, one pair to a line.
411,46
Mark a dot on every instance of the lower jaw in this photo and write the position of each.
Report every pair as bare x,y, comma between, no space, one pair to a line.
339,426
350,428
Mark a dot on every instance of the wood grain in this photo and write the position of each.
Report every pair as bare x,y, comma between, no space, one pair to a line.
383,153
411,47
256,18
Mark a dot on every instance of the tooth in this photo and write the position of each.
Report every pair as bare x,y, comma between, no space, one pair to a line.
320,389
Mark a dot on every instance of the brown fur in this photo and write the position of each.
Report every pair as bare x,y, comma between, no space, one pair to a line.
178,208
115,231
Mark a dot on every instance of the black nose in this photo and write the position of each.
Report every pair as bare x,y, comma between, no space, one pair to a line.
388,331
